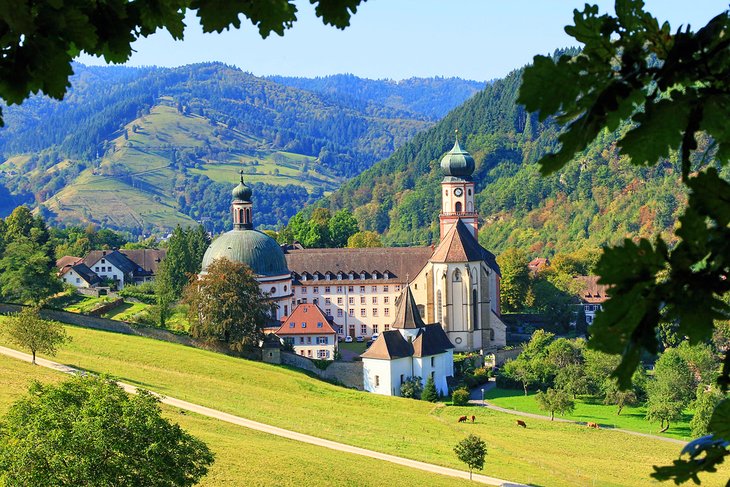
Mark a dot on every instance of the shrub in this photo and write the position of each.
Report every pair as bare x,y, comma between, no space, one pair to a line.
460,397
430,393
481,376
144,293
411,388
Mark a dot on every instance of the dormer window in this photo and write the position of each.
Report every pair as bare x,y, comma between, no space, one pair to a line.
352,275
304,324
386,275
362,275
319,324
304,277
291,325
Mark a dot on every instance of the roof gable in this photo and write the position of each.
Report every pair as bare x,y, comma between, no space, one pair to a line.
431,340
311,316
407,316
389,345
459,245
114,257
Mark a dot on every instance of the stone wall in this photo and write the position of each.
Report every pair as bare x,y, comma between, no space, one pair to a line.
501,356
348,374
102,309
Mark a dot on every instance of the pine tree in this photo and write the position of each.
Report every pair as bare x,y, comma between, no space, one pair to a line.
430,393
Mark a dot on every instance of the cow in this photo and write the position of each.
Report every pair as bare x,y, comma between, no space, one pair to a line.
521,423
473,418
593,425
462,419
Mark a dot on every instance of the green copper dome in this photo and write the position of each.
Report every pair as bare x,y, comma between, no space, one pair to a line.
251,247
241,192
457,162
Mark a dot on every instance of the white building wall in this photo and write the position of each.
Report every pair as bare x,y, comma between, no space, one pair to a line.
105,270
384,376
72,277
307,346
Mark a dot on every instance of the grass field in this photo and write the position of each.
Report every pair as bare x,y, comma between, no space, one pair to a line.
545,453
590,409
249,457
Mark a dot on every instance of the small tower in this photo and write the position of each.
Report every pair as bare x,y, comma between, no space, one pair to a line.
242,206
457,190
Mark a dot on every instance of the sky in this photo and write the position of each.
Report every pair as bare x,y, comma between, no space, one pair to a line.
399,39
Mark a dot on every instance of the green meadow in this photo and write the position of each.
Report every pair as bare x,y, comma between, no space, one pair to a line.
546,453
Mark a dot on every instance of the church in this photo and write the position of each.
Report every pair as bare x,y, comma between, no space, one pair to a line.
455,283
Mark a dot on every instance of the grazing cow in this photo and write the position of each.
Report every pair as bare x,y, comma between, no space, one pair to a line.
594,425
521,423
462,419
473,418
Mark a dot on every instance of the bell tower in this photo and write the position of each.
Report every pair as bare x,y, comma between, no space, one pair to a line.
242,207
457,190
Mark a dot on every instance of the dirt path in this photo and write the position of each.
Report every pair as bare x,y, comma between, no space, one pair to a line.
292,435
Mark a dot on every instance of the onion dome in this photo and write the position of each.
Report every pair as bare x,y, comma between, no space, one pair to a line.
241,192
457,162
255,249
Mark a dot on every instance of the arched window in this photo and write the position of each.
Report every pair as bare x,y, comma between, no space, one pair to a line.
458,206
457,276
273,290
248,215
240,215
439,307
475,308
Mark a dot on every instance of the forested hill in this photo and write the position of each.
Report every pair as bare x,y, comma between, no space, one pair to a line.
430,97
142,149
598,198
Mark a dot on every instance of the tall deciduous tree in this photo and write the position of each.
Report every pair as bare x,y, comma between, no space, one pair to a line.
515,281
342,226
671,390
227,304
88,431
29,331
555,401
27,272
364,239
471,450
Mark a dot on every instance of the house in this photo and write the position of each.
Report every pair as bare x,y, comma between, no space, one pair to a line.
592,295
78,275
309,333
538,264
125,266
411,348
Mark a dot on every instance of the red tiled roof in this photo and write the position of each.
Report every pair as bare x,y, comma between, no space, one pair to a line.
67,261
311,315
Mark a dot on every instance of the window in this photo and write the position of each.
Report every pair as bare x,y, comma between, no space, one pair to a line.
327,301
439,307
375,300
319,324
309,353
375,311
339,300
96,269
375,328
304,290
458,207
377,380
289,340
363,329
351,312
362,313
456,277
315,301
385,289
397,288
292,324
402,379
304,300
309,339
103,261
285,288
339,313
468,191
327,288
321,340
374,289
301,339
304,324
362,289
339,289
386,311
286,310
362,275
433,360
323,354
351,300
386,327
362,299
328,312
475,308
350,289
386,299
316,289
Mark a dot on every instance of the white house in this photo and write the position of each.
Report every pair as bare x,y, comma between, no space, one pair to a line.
410,348
79,275
309,333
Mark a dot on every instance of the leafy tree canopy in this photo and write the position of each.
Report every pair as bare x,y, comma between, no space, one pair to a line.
28,330
471,450
88,431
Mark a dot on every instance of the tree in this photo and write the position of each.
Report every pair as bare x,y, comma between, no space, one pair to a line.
27,272
342,226
670,391
555,401
663,90
572,379
62,30
515,279
471,450
28,330
430,393
522,371
364,239
88,431
707,399
411,388
615,395
227,304
581,325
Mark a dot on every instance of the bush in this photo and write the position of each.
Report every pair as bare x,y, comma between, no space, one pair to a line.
411,388
481,376
144,293
460,397
430,393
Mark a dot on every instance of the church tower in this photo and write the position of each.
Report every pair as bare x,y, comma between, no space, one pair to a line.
457,191
242,206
